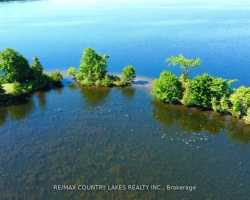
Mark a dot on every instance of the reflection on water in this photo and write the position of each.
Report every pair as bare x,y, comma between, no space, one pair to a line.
190,119
42,100
21,108
194,121
113,136
3,115
94,96
127,92
238,131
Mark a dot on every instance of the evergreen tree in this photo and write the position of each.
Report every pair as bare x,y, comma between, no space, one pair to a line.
36,69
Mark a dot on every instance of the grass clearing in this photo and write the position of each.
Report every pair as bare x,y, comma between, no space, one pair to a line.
8,87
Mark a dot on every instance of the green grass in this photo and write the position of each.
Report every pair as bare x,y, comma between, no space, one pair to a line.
8,87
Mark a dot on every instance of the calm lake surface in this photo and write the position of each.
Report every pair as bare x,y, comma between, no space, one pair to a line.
123,136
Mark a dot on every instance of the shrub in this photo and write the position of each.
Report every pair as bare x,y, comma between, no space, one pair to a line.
71,71
123,81
247,117
56,76
240,101
167,87
206,90
107,81
129,72
17,88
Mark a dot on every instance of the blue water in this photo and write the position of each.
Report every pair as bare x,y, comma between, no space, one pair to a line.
142,34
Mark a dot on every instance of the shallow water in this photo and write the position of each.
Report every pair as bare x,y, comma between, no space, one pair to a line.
84,136
122,136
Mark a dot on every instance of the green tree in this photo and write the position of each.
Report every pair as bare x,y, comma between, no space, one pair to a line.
92,66
205,90
17,88
240,100
107,81
56,76
184,63
167,87
36,69
71,71
123,81
13,66
129,72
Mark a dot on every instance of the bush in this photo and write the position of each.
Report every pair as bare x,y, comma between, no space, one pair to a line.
223,105
123,81
98,83
129,72
71,71
207,91
87,82
17,88
247,117
56,76
107,81
240,102
167,87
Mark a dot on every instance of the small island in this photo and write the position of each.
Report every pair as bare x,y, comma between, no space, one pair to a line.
93,71
202,91
17,77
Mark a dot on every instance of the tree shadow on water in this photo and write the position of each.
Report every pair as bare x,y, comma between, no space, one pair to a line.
95,96
195,120
18,109
127,92
141,82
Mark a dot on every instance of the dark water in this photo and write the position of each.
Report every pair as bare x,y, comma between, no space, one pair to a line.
122,136
119,136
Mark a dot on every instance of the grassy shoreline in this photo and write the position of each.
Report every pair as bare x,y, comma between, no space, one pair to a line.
25,90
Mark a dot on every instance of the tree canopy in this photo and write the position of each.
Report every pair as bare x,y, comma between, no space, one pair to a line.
204,88
36,69
184,63
93,66
129,72
167,87
93,71
19,77
14,66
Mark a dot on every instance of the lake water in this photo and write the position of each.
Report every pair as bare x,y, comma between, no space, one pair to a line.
122,136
